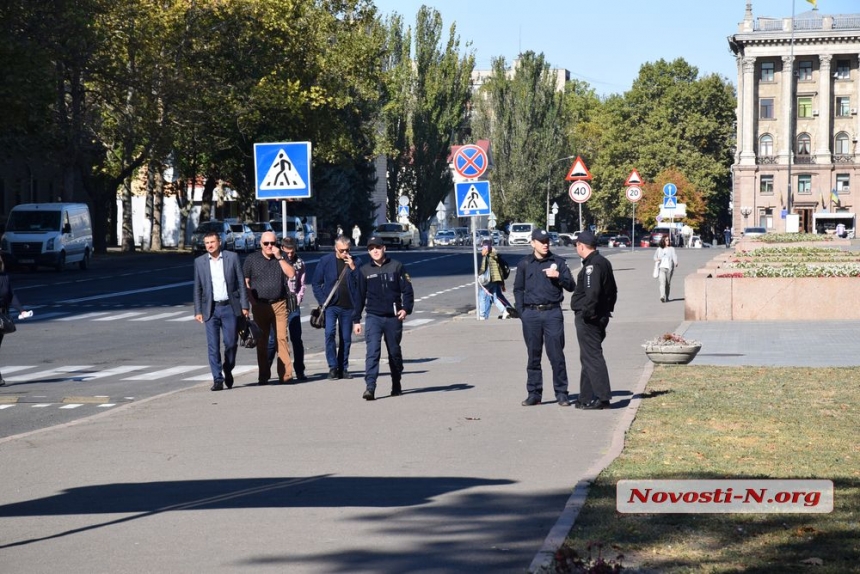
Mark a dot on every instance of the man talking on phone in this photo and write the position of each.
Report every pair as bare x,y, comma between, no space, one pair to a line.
385,290
335,273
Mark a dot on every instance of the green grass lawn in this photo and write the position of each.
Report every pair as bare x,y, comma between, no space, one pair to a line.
744,423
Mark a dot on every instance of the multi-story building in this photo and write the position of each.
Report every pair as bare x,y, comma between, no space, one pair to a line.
798,125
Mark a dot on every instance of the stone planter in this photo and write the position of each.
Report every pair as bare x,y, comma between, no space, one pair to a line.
672,354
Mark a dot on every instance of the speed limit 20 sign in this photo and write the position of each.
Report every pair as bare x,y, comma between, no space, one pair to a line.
634,194
580,191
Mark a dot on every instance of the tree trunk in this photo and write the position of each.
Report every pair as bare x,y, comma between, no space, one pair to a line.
157,204
127,227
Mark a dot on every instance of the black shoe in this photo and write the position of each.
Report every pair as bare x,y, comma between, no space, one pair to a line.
217,387
563,401
368,395
261,383
662,299
333,374
344,374
396,391
593,405
512,313
228,380
531,401
301,377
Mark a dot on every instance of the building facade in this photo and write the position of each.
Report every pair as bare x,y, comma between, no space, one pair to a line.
797,156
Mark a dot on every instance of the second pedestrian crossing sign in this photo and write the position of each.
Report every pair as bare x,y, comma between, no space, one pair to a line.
282,170
473,198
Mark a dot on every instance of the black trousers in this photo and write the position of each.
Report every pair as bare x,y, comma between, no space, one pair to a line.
594,376
544,329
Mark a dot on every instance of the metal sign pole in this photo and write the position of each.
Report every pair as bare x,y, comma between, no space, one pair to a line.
633,229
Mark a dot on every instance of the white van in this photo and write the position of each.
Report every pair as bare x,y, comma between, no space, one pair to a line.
48,234
521,233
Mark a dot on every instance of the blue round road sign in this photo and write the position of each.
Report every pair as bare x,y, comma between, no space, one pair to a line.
670,189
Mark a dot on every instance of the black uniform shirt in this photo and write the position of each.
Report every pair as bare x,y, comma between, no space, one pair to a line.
533,287
383,288
595,292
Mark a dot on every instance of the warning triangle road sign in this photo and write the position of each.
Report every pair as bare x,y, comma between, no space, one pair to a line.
473,201
282,174
633,178
578,171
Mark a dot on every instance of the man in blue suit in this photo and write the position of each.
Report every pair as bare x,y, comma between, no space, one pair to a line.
219,299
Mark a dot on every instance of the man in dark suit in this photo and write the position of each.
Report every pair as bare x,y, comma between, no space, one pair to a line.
219,299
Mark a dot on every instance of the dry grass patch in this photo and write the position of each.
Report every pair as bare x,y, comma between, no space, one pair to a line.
745,423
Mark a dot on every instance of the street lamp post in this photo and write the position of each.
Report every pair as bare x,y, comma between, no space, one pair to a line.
745,211
548,173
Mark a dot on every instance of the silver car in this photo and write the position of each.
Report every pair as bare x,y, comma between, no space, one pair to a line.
243,237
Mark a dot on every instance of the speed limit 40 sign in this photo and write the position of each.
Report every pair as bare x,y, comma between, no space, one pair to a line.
579,191
634,194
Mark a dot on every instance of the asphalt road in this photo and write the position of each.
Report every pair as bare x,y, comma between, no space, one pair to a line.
123,331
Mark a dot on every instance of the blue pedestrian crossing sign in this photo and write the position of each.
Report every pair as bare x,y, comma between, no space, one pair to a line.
282,170
403,211
473,198
670,202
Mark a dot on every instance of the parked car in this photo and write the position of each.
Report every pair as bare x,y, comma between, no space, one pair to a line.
464,234
566,238
295,229
754,231
222,228
656,237
619,241
399,235
554,238
521,233
445,237
243,237
483,235
259,228
499,237
697,243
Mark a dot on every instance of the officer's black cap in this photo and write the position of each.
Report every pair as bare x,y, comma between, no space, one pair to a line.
587,238
540,235
375,240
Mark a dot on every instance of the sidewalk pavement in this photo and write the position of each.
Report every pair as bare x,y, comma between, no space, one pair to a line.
453,476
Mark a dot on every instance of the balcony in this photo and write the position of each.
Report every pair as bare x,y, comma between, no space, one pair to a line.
843,159
804,159
766,159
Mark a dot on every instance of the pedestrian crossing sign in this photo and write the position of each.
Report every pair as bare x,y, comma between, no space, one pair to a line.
402,211
282,170
670,202
473,198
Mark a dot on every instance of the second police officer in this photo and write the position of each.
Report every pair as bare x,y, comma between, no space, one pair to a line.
538,292
385,292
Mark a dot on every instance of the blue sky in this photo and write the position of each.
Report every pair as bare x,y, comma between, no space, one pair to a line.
605,42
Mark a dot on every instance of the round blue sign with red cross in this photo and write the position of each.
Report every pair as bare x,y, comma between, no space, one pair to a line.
470,161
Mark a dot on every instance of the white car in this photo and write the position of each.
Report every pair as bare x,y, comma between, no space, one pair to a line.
243,237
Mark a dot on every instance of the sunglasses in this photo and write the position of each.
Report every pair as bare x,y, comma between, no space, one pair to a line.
269,243
343,250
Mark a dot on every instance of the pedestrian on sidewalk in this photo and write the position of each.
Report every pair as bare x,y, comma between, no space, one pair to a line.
666,260
492,291
264,272
220,299
538,293
727,235
593,302
8,299
336,274
356,235
385,290
295,288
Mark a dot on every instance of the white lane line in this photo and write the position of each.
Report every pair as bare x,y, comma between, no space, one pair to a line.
416,322
6,407
44,316
84,316
50,373
41,405
120,316
188,318
132,292
236,371
17,368
159,316
106,405
73,406
162,373
111,372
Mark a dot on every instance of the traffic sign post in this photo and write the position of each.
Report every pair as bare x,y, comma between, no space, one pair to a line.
473,198
634,194
580,192
282,170
470,161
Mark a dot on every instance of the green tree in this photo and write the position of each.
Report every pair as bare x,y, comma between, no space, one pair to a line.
523,115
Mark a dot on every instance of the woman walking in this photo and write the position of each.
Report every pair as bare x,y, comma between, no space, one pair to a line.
667,260
492,291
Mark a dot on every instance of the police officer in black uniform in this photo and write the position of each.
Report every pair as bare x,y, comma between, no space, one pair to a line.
385,290
593,302
538,294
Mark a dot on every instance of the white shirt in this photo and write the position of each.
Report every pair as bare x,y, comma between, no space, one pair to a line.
219,283
667,257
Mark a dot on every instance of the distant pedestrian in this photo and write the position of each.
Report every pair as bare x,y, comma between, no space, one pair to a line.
264,272
492,291
727,234
356,235
667,260
339,231
593,302
336,274
220,299
296,286
841,231
538,293
8,299
385,291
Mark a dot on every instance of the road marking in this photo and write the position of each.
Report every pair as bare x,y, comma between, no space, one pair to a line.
132,292
416,322
71,406
120,316
111,372
162,373
106,405
45,316
236,371
159,316
2,407
50,373
84,316
41,405
189,318
8,370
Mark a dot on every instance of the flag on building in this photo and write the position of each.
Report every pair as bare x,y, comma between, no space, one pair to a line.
823,203
834,197
814,3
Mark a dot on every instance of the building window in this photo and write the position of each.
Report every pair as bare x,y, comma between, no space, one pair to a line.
843,106
804,144
804,184
765,147
766,72
843,68
804,70
765,109
842,144
765,217
804,107
766,185
842,183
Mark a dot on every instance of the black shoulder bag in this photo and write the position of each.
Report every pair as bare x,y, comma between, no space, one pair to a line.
317,319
